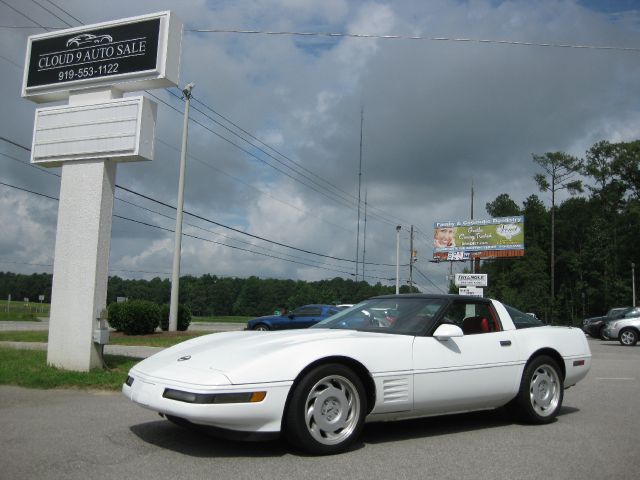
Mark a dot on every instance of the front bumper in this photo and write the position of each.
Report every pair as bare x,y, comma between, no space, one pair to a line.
260,417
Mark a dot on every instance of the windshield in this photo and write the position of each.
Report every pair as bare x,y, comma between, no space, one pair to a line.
617,312
523,320
407,316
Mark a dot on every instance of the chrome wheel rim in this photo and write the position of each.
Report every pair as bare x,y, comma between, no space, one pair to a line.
627,338
332,410
261,328
544,391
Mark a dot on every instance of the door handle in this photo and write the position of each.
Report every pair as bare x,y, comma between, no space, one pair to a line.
505,343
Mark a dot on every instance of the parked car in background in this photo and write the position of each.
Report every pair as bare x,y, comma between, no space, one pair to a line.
595,326
301,317
627,330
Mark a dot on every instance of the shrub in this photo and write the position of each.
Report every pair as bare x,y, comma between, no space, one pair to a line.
184,317
139,317
115,312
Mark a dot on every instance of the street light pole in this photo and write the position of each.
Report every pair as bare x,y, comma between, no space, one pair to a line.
398,259
175,278
633,282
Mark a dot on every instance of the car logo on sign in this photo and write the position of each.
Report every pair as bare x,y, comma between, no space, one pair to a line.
186,357
88,39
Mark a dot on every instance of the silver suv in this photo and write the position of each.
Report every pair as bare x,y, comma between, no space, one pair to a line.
626,330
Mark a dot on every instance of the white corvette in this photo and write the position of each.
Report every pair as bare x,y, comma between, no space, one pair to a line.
387,358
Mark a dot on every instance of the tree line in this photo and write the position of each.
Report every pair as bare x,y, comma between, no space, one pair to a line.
211,294
585,267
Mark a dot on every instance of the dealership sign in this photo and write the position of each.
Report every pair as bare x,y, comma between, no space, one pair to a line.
471,291
471,280
136,54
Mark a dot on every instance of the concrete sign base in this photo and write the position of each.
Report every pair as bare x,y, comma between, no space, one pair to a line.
81,266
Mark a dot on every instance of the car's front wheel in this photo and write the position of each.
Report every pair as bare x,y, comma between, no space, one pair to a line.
541,390
326,410
628,337
261,327
602,334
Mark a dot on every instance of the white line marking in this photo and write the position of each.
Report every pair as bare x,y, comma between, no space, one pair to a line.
619,378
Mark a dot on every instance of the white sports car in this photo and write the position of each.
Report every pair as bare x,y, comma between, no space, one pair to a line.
387,358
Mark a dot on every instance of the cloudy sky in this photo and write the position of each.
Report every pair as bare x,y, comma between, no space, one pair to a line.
438,114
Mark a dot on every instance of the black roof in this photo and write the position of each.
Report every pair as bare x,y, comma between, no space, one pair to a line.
442,296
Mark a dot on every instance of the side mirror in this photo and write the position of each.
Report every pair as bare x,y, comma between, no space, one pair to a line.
447,331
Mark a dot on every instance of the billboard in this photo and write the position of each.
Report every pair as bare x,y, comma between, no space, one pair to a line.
490,238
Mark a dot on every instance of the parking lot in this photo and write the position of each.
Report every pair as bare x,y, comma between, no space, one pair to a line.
75,434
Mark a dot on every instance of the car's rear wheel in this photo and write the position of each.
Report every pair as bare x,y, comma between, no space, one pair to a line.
261,327
541,391
326,410
628,337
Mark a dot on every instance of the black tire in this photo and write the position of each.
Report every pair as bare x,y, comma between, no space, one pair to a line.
541,392
628,337
181,422
601,333
262,327
326,410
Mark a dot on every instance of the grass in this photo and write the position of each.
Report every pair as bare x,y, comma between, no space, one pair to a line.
158,339
23,311
24,336
223,319
28,368
20,316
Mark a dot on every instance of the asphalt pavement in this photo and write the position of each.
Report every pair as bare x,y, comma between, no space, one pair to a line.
75,434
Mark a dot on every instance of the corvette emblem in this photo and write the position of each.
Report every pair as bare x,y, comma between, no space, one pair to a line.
186,357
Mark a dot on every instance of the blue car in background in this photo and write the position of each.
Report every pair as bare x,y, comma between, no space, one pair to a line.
301,317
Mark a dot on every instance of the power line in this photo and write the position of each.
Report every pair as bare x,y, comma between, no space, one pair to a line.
23,15
263,192
266,145
342,201
209,117
146,197
380,217
65,11
338,196
415,37
199,238
257,237
49,11
428,279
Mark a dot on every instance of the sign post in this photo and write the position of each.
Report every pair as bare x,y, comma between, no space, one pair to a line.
92,66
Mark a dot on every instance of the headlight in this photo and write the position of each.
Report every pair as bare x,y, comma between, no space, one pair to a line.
190,397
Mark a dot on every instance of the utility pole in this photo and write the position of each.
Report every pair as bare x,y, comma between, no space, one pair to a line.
175,277
359,189
397,260
633,283
364,235
411,260
471,259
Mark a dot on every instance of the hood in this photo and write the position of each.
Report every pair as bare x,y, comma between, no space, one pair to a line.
256,357
592,319
266,318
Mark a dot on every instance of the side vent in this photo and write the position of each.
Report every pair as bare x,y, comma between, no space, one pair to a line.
395,390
